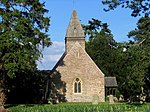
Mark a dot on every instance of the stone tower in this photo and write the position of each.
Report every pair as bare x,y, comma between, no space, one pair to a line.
76,77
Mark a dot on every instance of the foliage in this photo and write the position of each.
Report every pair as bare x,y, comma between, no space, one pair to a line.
147,83
80,107
138,7
134,56
133,62
23,29
28,88
141,36
130,72
128,61
94,26
101,45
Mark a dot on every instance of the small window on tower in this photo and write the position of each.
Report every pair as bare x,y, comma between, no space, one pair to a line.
77,54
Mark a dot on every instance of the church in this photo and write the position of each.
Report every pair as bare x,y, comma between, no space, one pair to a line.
77,78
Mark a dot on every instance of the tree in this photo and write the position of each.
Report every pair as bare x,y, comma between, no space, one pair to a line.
130,71
141,36
138,7
126,61
23,35
134,61
101,46
28,88
147,83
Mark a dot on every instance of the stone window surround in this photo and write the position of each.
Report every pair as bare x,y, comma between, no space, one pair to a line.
75,81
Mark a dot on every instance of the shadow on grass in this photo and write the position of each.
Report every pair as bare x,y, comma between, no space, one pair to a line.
10,105
22,105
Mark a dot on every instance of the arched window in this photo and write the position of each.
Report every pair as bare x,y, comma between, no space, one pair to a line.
77,85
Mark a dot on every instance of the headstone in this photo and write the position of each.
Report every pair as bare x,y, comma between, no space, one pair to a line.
95,99
115,99
111,99
121,98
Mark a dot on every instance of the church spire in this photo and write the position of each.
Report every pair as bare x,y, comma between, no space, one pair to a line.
74,33
74,29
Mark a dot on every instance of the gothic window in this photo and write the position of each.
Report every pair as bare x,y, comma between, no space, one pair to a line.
77,85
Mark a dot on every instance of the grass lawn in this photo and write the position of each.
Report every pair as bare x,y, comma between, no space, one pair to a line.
80,107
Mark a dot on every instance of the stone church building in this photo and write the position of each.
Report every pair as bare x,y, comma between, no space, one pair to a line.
77,78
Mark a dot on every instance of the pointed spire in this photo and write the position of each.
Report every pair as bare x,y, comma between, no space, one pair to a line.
74,29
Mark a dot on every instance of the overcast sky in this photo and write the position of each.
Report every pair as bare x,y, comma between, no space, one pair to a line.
120,23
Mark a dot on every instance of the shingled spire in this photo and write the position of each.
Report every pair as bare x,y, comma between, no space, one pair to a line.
74,32
74,29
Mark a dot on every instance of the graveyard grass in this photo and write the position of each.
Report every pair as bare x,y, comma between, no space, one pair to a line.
80,107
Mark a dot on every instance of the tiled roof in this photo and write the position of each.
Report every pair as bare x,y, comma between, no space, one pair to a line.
110,82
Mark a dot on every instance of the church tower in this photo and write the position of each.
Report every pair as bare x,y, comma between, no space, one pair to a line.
74,32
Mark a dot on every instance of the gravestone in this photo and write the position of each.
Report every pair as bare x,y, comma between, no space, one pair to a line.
111,99
121,98
95,99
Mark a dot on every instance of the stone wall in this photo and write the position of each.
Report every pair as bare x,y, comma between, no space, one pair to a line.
78,64
69,42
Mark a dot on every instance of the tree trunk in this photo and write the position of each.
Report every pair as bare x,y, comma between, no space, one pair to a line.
2,101
2,97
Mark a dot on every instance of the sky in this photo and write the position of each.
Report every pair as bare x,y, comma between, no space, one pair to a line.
119,20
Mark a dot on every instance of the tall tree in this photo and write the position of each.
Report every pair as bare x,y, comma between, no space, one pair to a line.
130,71
139,50
23,34
138,7
101,46
133,67
126,61
141,36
